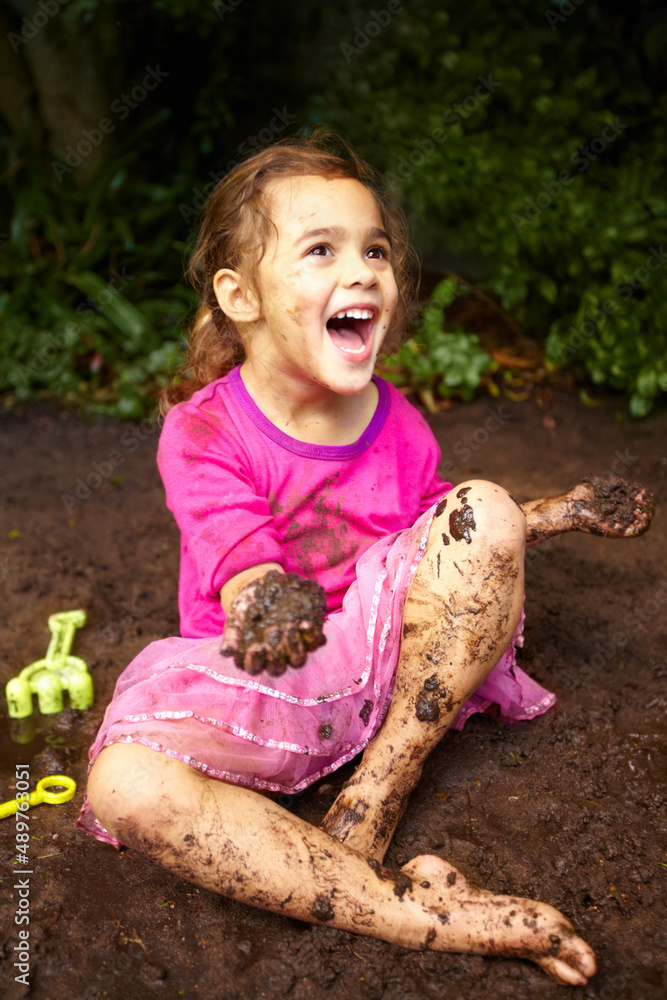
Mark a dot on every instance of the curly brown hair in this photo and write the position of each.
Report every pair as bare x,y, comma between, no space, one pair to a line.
234,230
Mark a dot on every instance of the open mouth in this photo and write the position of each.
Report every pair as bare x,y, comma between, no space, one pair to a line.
351,330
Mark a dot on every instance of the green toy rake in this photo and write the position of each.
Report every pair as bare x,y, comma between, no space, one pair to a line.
57,672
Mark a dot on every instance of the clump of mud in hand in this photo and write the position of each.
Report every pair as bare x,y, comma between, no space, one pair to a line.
615,503
275,622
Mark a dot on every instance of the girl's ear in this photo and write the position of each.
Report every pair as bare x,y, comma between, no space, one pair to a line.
236,297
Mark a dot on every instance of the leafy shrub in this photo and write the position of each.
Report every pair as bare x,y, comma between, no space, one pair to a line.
92,304
474,110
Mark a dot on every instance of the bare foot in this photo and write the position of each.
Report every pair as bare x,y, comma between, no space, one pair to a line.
610,507
473,920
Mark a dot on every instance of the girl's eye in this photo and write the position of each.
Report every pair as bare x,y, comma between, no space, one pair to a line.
379,253
321,250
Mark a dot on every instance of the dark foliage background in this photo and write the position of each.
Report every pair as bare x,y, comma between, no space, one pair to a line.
526,138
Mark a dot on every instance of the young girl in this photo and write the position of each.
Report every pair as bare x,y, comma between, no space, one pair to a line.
317,535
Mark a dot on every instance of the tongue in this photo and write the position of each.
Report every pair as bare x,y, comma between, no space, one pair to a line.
346,338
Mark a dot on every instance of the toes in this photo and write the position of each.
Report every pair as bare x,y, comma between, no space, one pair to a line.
574,963
561,972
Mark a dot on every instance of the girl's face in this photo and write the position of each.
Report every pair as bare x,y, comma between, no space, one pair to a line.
326,284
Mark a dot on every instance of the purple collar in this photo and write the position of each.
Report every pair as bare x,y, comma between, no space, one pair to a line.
330,452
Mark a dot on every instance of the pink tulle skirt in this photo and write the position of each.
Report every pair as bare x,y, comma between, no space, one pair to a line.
180,697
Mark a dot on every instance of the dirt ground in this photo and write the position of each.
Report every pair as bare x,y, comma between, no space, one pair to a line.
569,808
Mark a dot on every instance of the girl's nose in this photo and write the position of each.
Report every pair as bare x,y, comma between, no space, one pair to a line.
358,271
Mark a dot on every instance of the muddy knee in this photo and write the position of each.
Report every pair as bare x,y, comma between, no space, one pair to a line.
477,511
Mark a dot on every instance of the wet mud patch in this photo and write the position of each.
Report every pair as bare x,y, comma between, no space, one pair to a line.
347,813
322,910
366,710
401,882
429,699
462,521
427,709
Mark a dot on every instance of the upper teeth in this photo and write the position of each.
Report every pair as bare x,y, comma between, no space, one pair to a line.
355,314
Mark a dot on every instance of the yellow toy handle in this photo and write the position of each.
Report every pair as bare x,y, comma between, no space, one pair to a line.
41,794
53,798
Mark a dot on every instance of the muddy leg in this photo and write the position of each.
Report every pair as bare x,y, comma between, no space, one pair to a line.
460,616
610,507
240,844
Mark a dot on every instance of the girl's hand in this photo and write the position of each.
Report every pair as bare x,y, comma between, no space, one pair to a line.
274,623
